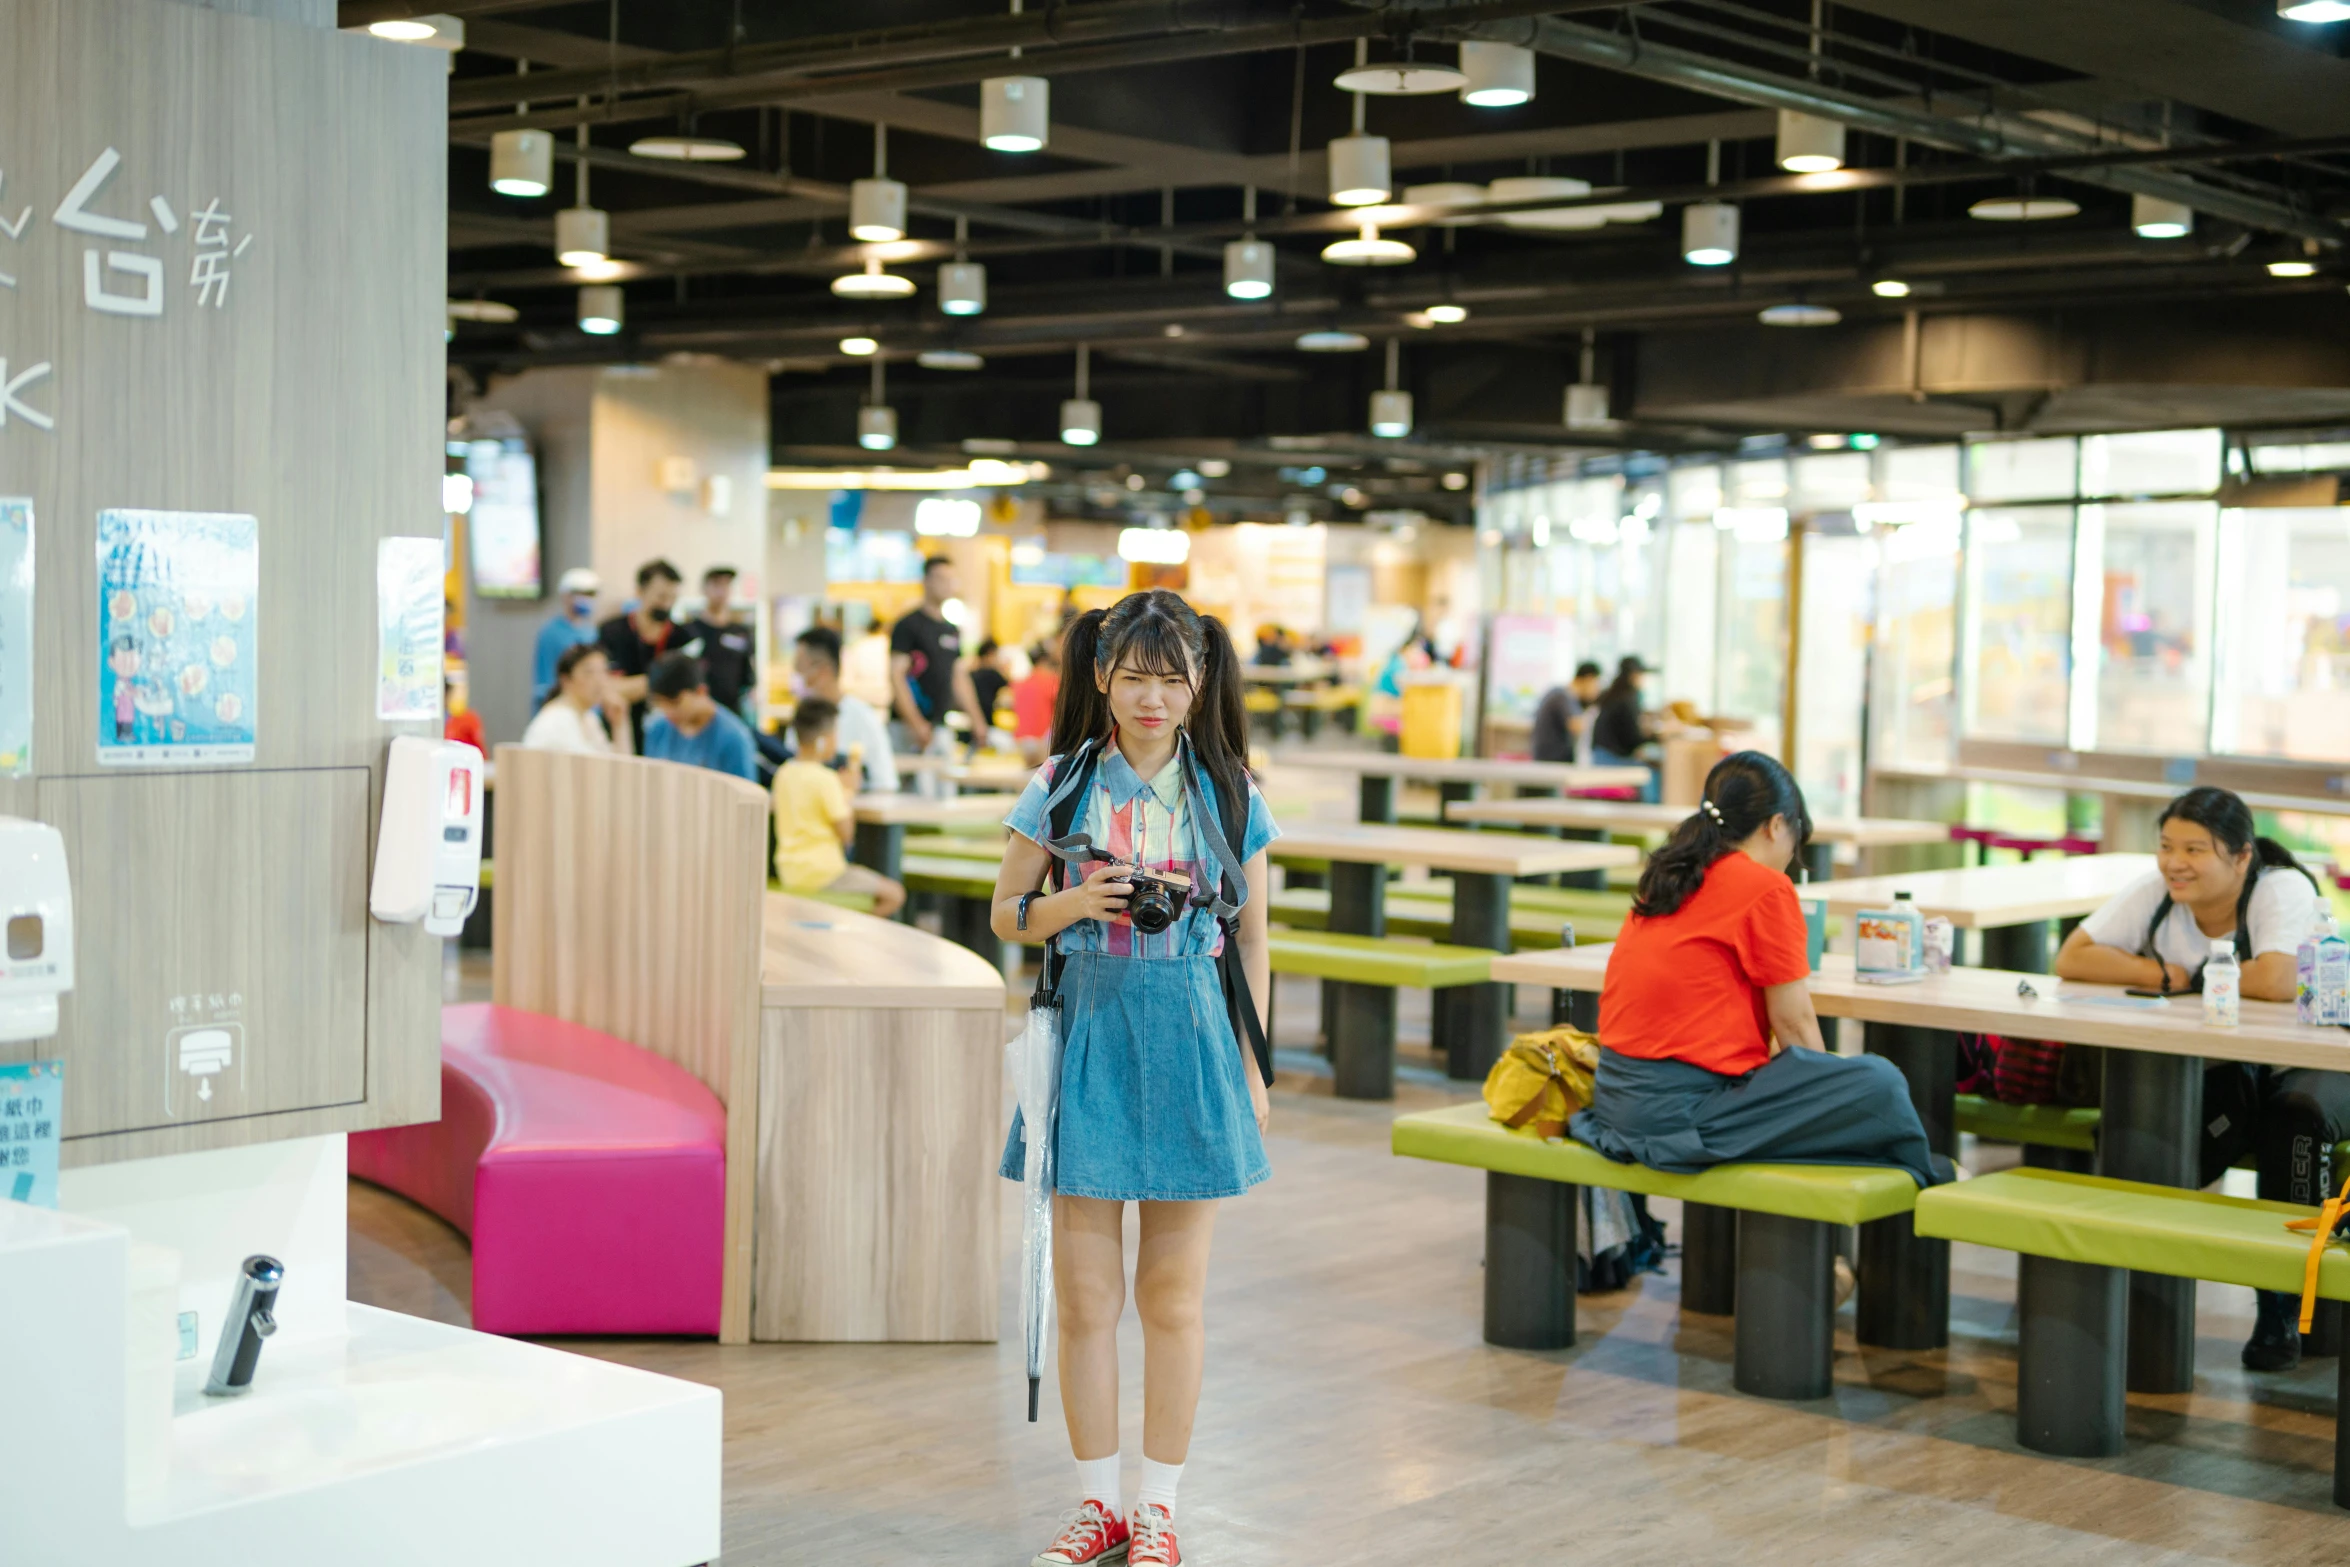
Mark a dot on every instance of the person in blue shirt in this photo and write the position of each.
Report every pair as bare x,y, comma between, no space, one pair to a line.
573,624
689,727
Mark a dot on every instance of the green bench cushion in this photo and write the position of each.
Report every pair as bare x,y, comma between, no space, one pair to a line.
2042,1126
957,878
1308,908
1378,960
1829,1193
2128,1224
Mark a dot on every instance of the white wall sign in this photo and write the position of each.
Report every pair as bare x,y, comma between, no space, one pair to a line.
409,596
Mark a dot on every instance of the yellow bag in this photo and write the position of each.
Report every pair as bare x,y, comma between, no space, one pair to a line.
1542,1080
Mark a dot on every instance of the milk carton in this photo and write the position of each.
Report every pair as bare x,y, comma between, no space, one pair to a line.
1890,944
2330,976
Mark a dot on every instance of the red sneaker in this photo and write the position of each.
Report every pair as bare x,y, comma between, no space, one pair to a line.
1092,1534
1153,1538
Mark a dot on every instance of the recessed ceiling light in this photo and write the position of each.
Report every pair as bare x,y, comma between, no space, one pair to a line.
1447,315
1800,315
2292,269
1332,342
859,346
950,359
402,30
687,149
2023,209
494,311
1889,288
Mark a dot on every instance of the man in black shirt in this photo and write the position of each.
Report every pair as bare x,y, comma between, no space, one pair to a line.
1557,717
728,651
632,642
924,648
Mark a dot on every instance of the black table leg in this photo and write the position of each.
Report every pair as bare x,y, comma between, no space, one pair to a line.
2153,1131
1905,1279
1451,792
1575,1009
1529,1262
1359,1020
881,846
1709,1259
1591,881
1478,1029
1377,803
1820,859
2021,948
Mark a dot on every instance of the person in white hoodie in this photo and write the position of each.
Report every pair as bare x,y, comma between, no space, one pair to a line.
574,717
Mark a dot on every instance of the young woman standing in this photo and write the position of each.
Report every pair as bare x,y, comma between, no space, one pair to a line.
1161,1104
2215,877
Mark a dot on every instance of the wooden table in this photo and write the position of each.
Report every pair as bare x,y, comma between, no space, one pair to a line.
1456,778
1303,671
1472,1022
880,1120
1597,817
2010,904
2153,1104
882,820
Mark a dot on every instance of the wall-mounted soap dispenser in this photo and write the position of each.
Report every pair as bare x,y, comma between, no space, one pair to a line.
251,1318
36,929
428,848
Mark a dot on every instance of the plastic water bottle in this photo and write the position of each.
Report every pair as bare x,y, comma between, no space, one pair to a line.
2331,979
2223,985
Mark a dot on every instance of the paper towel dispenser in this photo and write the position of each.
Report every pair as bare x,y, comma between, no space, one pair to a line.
36,929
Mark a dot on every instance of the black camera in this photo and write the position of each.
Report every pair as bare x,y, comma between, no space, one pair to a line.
1158,898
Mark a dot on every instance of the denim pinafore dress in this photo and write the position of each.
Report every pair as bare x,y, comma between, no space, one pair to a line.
1153,1104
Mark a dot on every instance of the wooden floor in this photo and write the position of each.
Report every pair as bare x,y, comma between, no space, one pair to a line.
1352,1414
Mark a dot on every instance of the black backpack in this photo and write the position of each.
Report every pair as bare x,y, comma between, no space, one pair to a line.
1231,822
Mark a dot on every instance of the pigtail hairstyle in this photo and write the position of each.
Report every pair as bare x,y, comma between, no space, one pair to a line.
1742,794
1155,631
2229,821
1218,725
1081,711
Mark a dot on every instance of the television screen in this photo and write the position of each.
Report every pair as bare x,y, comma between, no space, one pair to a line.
503,527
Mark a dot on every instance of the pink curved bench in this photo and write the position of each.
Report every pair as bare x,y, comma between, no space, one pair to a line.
590,1173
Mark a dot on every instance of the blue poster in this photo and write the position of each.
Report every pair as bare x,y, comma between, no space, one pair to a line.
32,1120
177,604
16,638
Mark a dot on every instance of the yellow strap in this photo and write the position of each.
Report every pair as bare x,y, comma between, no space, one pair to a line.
2323,1225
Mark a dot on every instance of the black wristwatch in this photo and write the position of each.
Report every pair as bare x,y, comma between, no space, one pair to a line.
1025,899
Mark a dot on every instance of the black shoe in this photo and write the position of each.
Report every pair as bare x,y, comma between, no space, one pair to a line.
2275,1344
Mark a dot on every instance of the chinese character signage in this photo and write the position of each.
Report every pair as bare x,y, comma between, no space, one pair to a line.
177,603
410,582
32,1120
16,638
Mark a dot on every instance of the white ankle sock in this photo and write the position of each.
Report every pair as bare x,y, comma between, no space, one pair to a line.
1097,1481
1158,1484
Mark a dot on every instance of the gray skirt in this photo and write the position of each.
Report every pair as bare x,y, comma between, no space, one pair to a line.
1800,1107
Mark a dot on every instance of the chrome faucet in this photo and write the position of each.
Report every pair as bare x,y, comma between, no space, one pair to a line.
251,1318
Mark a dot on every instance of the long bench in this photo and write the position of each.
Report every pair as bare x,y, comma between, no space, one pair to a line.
1534,923
2079,1237
1787,1219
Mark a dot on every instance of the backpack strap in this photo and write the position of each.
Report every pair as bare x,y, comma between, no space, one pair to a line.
1218,831
1060,813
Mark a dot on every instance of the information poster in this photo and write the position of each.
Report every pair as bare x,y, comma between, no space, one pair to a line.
32,1120
409,574
178,602
16,638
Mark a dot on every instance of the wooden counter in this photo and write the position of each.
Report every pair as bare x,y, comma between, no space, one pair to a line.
880,1121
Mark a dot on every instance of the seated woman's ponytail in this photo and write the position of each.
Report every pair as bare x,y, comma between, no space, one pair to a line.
1742,793
1081,711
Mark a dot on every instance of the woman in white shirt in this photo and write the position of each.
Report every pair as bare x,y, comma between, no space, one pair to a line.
573,719
2216,879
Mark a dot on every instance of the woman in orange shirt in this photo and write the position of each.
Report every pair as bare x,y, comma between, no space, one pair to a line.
1710,1051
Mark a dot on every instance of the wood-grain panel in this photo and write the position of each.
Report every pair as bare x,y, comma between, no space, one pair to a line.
629,901
165,887
879,1131
311,398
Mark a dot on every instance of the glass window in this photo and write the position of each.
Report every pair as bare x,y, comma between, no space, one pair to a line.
2021,470
1917,473
2015,634
1839,586
1693,494
2283,673
1753,638
1693,564
1762,483
1834,481
2153,462
2154,625
1912,701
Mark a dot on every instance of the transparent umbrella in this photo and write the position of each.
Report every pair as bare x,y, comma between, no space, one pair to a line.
1035,1058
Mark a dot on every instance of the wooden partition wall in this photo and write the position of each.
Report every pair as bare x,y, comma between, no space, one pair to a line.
628,900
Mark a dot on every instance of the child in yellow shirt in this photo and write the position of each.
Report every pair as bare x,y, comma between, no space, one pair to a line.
813,824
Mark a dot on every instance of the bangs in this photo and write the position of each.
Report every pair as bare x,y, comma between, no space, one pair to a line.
1155,646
